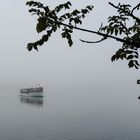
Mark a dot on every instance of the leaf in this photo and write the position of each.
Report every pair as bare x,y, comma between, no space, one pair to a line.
49,32
71,19
75,12
69,3
130,57
131,63
90,7
136,53
108,30
113,58
120,31
40,42
136,56
34,3
67,34
45,37
30,46
137,63
67,6
54,28
84,11
136,67
41,25
70,42
116,32
129,51
35,47
111,31
77,20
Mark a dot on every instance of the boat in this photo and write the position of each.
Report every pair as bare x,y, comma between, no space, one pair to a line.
32,92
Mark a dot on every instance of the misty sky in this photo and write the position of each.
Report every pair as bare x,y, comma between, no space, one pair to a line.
56,64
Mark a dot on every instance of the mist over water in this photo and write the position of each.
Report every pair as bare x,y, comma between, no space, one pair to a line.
86,112
86,96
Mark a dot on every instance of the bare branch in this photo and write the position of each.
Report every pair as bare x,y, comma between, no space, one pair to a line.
98,41
113,5
138,5
100,27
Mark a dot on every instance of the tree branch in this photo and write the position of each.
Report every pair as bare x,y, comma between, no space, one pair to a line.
98,41
138,5
128,13
129,42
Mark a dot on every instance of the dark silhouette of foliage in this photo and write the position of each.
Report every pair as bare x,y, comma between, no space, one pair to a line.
50,20
118,28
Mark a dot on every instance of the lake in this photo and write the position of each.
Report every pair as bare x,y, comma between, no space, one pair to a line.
90,112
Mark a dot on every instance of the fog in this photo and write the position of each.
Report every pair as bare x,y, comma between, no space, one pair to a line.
56,64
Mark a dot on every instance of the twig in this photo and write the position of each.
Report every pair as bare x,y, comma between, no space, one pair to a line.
98,41
138,5
126,12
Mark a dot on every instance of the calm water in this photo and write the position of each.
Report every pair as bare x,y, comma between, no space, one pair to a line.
78,113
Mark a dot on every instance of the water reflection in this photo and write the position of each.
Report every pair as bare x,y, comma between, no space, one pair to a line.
34,101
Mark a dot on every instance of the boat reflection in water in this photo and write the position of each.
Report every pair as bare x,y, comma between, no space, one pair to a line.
34,101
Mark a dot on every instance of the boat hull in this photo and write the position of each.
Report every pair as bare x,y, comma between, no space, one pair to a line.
32,94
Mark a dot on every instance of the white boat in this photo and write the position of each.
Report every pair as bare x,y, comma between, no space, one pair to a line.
32,92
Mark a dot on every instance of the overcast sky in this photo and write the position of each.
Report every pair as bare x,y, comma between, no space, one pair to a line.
56,63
